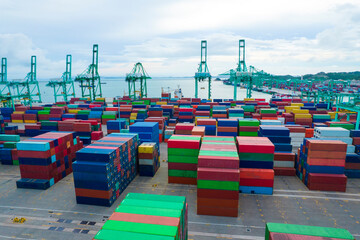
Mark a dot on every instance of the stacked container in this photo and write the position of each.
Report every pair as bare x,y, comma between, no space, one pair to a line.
6,113
183,154
277,231
8,151
46,159
249,127
147,216
323,165
186,115
236,112
155,112
105,168
114,126
161,121
219,111
202,111
279,136
335,133
227,127
256,165
149,161
218,177
269,113
108,115
198,130
184,128
209,124
148,131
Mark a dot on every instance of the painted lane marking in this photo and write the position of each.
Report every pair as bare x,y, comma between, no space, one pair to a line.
319,192
316,197
51,210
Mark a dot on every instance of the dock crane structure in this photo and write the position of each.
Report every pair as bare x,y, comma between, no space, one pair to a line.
26,91
240,73
90,82
203,72
137,74
63,87
5,95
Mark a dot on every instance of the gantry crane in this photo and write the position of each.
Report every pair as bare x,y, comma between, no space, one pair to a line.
5,95
64,87
137,74
203,73
26,91
89,79
242,73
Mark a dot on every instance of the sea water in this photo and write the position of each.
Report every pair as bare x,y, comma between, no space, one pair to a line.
118,87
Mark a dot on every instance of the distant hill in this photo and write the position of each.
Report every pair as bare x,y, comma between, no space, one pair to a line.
326,76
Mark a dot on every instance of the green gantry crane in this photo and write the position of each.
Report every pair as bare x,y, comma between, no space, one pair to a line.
137,74
351,103
5,94
90,82
242,75
26,91
63,87
203,73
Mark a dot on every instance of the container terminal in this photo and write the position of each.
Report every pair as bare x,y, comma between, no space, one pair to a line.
171,167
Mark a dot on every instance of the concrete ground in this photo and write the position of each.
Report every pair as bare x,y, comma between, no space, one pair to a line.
53,214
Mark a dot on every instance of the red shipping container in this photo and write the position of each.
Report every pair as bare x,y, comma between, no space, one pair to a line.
182,180
216,162
217,211
213,193
189,144
182,166
218,174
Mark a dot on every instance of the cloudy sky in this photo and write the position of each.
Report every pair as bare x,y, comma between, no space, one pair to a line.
282,37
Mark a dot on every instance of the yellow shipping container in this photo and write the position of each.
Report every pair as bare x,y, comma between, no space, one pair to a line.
30,121
289,109
161,103
302,115
17,121
18,112
146,149
74,110
297,104
249,99
300,111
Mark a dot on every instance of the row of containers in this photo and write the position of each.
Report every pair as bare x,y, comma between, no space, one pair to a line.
292,111
101,170
184,170
219,165
294,115
165,217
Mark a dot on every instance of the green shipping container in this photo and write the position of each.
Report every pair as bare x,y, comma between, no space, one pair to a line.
183,152
105,234
183,159
182,173
307,230
256,157
219,185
